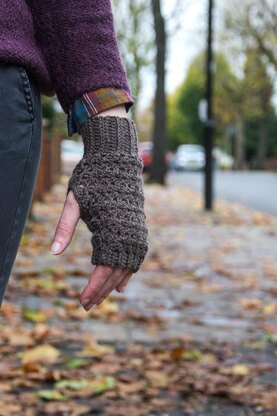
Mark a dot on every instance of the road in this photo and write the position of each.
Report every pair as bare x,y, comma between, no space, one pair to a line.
256,190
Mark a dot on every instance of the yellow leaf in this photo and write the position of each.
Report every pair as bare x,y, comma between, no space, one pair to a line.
95,350
34,315
45,354
255,345
99,386
269,309
136,362
208,358
71,384
240,370
51,395
107,307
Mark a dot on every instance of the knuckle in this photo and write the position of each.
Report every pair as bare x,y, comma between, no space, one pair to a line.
92,286
64,229
71,199
93,291
114,280
106,271
118,274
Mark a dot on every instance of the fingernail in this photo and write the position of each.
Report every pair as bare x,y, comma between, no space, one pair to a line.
123,289
56,246
85,302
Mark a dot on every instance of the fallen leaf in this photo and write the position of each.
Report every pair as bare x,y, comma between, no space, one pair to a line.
71,384
240,370
69,408
271,337
251,303
177,353
45,354
51,395
269,400
270,309
108,307
37,316
192,355
102,385
157,378
11,408
76,363
94,349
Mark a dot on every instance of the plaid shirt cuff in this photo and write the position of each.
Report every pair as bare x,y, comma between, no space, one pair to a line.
94,102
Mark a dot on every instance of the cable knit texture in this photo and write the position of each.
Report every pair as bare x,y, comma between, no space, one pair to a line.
70,46
107,184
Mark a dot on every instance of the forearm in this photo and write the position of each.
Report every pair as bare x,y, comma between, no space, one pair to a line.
119,110
78,41
97,102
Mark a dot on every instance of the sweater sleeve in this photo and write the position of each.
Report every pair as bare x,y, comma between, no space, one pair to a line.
93,103
79,44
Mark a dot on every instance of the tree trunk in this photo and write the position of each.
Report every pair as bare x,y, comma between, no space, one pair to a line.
158,166
137,87
239,162
262,147
137,60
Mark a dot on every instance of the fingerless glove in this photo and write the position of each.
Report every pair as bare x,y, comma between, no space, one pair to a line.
107,184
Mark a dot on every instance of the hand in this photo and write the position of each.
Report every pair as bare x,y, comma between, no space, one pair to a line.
104,279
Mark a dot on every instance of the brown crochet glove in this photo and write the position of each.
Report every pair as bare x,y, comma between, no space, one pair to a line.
107,185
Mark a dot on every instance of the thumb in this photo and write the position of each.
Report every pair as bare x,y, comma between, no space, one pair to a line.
66,225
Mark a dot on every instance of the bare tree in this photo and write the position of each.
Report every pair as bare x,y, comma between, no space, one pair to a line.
158,167
134,34
254,23
251,25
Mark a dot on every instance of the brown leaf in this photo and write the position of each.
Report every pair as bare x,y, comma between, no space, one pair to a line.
269,400
251,304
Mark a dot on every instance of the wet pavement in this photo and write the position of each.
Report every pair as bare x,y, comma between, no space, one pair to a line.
207,286
251,188
207,276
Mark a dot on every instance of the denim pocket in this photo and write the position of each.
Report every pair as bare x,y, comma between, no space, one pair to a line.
27,92
20,143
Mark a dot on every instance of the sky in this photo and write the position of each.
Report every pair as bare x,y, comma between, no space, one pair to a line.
181,49
184,46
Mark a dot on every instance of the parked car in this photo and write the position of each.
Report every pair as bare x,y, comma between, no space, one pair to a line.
222,159
71,151
189,157
145,150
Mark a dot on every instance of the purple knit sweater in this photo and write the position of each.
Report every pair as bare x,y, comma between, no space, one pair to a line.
69,46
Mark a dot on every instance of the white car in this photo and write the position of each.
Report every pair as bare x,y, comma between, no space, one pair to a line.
223,160
71,151
189,157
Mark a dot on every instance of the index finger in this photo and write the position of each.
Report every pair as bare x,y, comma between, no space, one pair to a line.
98,278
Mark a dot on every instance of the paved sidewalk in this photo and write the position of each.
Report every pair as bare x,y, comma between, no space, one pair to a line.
209,276
194,334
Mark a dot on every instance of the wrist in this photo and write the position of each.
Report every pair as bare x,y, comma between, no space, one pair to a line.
118,110
110,135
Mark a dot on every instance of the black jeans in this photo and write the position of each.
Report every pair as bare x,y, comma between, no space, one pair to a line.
20,151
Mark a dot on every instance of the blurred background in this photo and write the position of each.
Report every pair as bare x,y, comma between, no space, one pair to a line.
166,62
195,331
